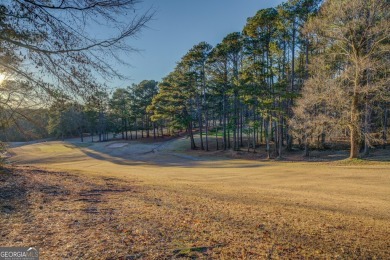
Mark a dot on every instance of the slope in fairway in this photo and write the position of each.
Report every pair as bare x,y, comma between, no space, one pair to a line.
160,202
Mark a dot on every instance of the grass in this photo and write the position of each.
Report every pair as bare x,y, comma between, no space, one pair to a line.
159,206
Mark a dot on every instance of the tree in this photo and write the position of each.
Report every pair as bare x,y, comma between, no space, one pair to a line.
352,42
51,43
263,27
218,73
233,50
18,103
195,60
293,15
143,94
66,119
96,112
120,106
48,46
175,101
314,113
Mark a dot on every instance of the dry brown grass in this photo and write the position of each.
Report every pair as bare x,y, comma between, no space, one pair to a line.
90,208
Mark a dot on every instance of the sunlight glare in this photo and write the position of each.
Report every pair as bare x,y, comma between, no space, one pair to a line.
2,77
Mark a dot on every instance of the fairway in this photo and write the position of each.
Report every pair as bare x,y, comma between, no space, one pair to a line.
177,130
156,201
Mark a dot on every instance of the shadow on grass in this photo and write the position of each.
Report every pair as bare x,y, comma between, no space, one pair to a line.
165,159
175,153
22,187
172,153
15,188
160,156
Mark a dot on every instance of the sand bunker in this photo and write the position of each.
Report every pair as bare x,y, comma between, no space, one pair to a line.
117,145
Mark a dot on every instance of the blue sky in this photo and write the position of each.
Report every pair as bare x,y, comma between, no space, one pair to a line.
180,24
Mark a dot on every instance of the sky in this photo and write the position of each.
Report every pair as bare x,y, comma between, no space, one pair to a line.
177,26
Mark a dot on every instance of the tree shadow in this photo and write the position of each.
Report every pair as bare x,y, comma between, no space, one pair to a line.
162,158
16,188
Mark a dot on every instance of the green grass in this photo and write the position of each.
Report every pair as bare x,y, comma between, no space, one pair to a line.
359,161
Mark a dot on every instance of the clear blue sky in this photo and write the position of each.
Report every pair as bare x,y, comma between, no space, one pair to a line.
180,24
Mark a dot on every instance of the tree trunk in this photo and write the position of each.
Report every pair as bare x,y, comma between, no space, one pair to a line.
224,121
280,136
254,129
216,137
207,130
154,130
123,128
228,133
354,129
235,120
384,136
126,121
241,124
136,129
367,117
354,142
306,150
274,130
267,123
147,126
249,139
143,128
193,146
289,137
198,104
262,126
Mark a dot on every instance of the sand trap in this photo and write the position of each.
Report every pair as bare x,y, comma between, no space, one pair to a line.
117,145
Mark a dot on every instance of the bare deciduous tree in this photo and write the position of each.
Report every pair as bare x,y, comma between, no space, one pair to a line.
65,44
349,72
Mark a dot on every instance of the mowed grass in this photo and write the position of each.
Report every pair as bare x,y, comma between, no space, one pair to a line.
89,203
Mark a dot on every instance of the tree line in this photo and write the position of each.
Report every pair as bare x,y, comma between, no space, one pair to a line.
307,72
123,113
51,46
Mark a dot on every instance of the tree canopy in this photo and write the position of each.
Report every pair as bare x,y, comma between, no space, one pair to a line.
55,44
